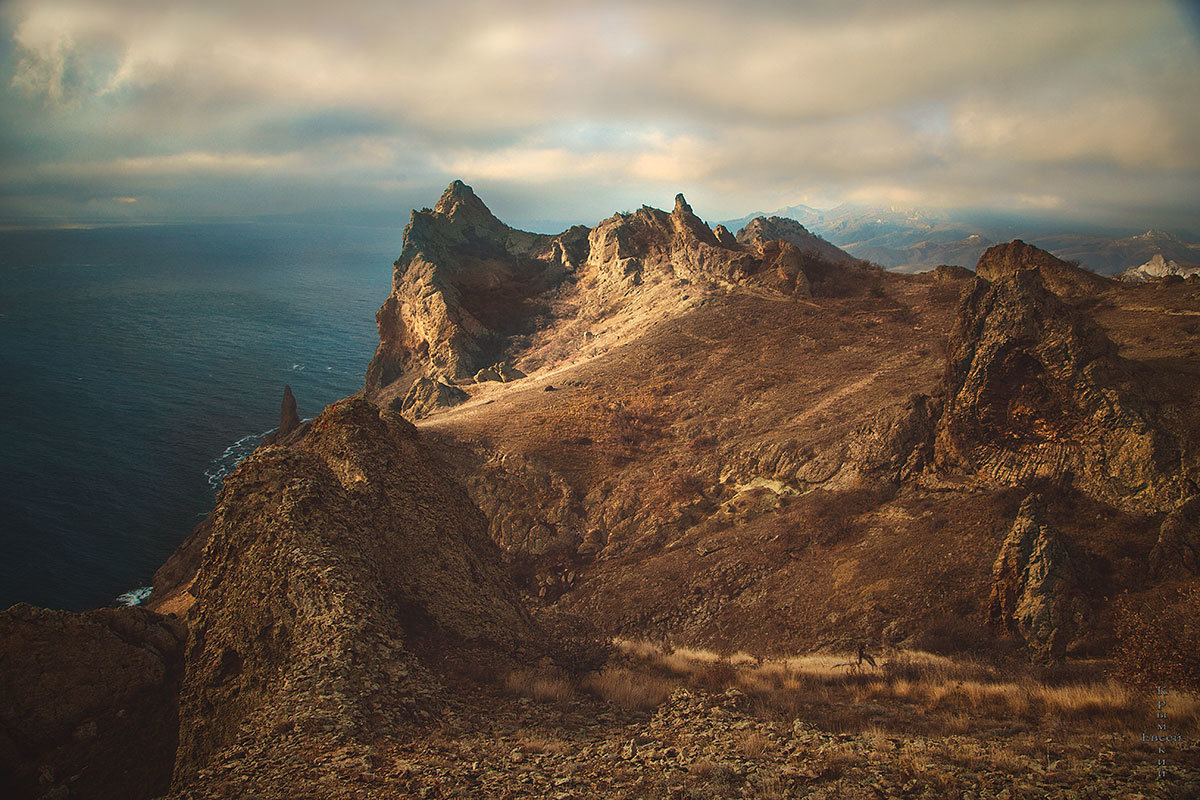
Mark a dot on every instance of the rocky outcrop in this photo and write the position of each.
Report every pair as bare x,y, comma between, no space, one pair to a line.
464,282
289,418
340,575
761,230
89,702
1034,390
1176,554
897,444
1061,277
428,395
502,371
1035,590
1157,268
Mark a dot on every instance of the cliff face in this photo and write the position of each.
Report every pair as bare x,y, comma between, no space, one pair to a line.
464,282
341,574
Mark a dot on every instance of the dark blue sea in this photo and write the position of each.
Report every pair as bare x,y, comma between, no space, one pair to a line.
137,364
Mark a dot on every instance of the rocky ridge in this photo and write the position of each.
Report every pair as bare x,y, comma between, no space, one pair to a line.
469,291
340,575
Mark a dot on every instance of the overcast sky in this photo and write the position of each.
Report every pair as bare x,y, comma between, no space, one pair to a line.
569,111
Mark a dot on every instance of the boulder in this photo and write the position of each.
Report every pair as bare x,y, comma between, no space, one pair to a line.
427,395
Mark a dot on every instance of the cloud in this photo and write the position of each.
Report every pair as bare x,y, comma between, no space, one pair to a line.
867,99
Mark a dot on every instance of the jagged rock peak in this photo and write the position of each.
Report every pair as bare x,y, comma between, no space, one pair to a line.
289,418
460,201
724,237
681,205
767,229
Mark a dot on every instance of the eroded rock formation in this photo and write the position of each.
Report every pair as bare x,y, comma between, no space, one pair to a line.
1177,552
1062,277
289,417
1035,390
1035,589
426,395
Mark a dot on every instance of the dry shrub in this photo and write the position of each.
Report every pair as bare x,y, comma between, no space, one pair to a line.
836,761
717,676
578,647
629,689
950,634
543,685
754,745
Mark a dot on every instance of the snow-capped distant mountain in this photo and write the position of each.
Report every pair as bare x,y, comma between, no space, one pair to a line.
1159,267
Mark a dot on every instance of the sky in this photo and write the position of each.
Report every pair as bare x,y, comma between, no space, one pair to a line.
158,111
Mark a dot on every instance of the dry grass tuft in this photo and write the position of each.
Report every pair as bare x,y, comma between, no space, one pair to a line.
545,686
942,695
540,744
628,689
754,745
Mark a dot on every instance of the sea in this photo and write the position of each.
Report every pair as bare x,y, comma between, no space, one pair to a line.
139,364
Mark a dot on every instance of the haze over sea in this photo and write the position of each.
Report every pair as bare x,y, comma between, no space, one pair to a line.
135,358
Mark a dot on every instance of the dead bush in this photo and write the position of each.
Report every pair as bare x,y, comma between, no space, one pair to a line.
716,677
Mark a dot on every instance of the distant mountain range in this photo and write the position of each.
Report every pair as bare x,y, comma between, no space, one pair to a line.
914,240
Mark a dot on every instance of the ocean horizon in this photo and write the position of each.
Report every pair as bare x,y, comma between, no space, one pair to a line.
141,363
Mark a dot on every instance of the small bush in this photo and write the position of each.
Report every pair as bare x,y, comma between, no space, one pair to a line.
716,676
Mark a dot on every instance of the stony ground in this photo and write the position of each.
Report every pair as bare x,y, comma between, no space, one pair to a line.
699,744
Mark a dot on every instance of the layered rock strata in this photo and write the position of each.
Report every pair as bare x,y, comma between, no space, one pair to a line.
1036,391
